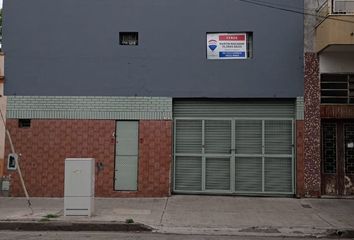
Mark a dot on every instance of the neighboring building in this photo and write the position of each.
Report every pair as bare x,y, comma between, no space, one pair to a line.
3,111
329,98
202,97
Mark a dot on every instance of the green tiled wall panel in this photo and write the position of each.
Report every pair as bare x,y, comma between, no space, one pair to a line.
65,107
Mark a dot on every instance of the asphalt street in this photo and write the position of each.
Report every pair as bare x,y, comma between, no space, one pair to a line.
10,235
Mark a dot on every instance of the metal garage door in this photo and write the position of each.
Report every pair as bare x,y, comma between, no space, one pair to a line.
246,149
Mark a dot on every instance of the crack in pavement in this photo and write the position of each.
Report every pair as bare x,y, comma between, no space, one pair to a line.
163,212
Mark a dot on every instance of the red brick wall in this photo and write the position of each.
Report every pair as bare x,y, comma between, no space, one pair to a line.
46,144
155,154
337,111
300,158
1,166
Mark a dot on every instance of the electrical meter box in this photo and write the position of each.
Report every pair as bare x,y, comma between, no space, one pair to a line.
11,162
79,189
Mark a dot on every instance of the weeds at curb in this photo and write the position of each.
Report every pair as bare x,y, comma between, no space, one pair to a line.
51,216
47,217
44,219
129,221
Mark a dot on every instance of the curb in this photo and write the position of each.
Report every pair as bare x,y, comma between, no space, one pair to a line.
317,233
74,226
344,233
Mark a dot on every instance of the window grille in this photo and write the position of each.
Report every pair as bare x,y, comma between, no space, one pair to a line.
337,88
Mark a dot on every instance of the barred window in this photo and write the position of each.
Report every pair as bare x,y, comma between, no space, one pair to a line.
337,88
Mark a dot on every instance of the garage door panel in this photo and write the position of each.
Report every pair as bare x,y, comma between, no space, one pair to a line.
188,175
278,137
234,155
218,136
217,174
188,136
278,175
248,173
248,136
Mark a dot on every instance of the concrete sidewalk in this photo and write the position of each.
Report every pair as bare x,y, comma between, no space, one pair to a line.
204,214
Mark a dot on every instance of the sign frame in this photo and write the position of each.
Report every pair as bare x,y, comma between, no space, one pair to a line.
227,45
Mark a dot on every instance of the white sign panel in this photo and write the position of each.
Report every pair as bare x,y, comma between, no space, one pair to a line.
227,45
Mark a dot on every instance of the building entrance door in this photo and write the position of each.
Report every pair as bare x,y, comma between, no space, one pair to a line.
126,167
338,158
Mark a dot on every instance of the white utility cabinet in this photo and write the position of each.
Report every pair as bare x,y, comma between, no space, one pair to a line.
79,188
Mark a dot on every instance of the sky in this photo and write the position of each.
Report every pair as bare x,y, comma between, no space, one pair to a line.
1,3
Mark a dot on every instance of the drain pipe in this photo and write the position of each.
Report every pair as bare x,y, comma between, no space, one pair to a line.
17,164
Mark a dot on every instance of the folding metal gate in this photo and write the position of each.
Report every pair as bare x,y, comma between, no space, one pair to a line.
234,155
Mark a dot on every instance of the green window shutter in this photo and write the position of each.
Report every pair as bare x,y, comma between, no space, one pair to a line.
278,175
248,136
217,174
218,136
188,136
188,175
278,137
248,174
226,108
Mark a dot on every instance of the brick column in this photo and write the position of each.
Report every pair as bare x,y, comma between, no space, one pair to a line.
312,128
300,158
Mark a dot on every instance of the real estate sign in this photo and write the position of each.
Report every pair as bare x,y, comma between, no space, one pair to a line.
226,45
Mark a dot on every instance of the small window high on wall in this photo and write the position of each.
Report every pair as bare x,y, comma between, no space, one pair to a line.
24,123
128,38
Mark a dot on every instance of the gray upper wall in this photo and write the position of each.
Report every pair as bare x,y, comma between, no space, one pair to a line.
310,22
71,47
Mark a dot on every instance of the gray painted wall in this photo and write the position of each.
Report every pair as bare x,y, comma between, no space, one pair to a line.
71,47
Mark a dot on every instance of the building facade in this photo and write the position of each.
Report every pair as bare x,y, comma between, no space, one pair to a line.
167,98
3,111
329,98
